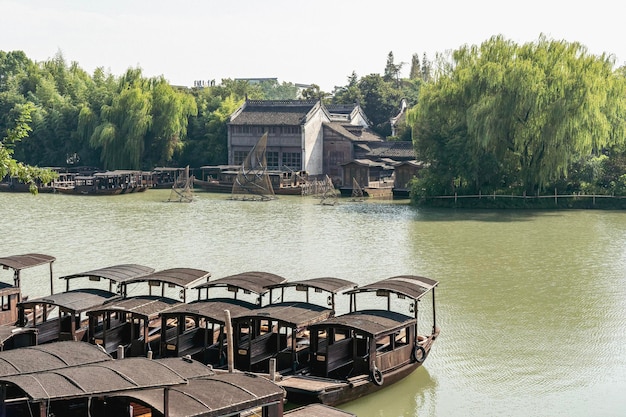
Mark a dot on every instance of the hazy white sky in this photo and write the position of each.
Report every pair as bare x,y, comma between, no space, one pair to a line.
307,42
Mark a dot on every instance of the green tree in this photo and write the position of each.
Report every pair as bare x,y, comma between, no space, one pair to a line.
170,110
392,71
314,92
124,124
11,167
416,68
529,111
350,93
380,102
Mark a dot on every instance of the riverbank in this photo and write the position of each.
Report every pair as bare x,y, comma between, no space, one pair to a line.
544,202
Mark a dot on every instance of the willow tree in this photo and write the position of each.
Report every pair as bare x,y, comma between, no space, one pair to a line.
170,112
535,108
123,124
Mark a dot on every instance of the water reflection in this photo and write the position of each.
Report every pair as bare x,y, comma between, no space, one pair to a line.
418,392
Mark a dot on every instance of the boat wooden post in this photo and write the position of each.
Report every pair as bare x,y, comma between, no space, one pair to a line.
51,280
166,402
230,346
3,396
273,369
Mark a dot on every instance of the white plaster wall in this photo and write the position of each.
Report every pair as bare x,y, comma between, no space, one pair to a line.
313,143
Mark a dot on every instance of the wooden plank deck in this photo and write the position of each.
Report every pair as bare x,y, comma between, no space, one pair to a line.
310,384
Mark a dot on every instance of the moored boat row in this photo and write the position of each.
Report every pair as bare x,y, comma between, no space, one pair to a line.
256,322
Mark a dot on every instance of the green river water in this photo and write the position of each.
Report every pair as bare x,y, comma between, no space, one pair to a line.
531,304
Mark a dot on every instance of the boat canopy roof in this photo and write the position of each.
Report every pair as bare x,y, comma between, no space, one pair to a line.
89,380
412,286
294,313
76,301
7,332
145,306
117,273
49,356
219,395
253,281
371,322
212,309
329,284
19,262
182,277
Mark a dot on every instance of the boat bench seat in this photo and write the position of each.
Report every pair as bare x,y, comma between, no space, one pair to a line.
191,342
339,355
115,336
263,348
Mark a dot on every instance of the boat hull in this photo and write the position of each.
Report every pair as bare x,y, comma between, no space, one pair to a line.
340,392
227,188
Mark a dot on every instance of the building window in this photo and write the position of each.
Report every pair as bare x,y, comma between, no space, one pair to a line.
239,157
292,160
291,130
272,160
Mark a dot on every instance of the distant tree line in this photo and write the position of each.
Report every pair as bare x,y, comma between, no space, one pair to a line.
72,118
492,118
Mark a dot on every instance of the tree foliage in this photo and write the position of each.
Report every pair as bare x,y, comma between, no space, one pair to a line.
518,115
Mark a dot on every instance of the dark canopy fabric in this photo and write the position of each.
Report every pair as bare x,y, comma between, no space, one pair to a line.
146,306
253,281
117,273
212,309
75,300
294,314
183,277
95,379
409,285
50,356
19,262
225,394
330,284
372,322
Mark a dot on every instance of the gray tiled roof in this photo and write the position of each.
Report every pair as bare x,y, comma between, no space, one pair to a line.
366,135
273,112
394,150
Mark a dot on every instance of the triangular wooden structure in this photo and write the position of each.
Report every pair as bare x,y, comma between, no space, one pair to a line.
182,190
253,181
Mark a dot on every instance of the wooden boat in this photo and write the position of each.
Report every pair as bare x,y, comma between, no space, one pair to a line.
220,179
133,321
59,316
48,357
107,183
167,177
90,389
14,184
229,394
199,326
279,330
11,335
361,352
